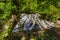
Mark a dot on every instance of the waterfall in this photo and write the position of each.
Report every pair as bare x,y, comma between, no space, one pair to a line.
31,22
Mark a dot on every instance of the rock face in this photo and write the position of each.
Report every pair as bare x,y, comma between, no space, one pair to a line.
57,27
32,22
57,24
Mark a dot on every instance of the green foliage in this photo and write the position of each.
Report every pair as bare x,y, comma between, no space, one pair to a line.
44,7
28,6
6,10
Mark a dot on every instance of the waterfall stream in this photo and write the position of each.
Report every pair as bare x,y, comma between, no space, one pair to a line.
32,22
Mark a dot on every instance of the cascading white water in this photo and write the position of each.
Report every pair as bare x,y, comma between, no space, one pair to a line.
32,21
